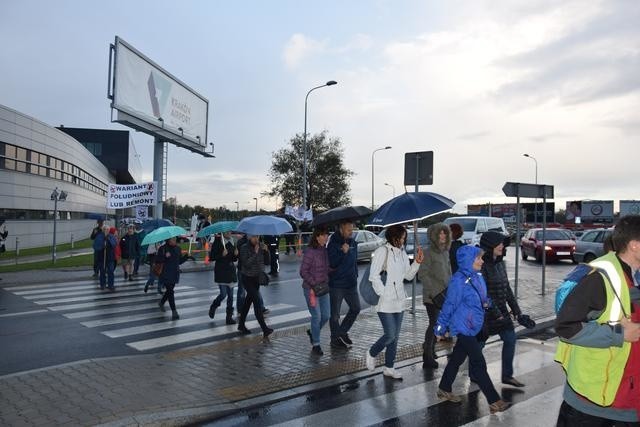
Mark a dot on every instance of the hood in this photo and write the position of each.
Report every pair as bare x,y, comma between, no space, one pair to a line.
465,256
434,232
491,239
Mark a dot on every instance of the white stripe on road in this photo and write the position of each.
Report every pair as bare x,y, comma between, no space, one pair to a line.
100,296
137,330
143,316
127,300
24,313
71,290
155,343
54,285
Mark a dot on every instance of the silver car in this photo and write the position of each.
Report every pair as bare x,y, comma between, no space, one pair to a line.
367,243
590,244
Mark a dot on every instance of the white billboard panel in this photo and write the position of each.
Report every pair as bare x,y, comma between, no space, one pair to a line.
597,210
629,207
147,92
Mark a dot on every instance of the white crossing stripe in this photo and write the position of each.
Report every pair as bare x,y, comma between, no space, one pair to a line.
126,300
200,307
155,343
117,281
72,290
137,330
100,296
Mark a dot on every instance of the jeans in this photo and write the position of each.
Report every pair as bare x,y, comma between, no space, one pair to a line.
97,260
469,346
152,278
253,295
350,295
391,323
319,314
106,270
169,295
571,417
508,337
225,292
136,265
241,294
429,346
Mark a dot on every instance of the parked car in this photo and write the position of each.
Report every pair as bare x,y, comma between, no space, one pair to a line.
474,226
559,244
590,245
423,240
367,243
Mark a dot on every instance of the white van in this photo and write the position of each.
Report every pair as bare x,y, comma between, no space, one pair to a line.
474,226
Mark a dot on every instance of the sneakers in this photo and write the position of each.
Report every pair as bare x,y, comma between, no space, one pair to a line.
339,344
499,406
391,373
512,381
447,395
369,360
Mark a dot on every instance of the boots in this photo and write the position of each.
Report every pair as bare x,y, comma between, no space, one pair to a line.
230,320
212,310
174,315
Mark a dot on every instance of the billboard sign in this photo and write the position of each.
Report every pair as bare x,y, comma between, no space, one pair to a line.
130,195
152,100
597,211
629,207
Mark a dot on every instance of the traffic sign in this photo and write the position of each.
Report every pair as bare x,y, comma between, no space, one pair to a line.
518,189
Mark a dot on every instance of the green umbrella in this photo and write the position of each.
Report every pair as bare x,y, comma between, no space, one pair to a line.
163,233
218,227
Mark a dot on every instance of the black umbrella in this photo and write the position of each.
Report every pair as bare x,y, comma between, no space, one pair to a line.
342,213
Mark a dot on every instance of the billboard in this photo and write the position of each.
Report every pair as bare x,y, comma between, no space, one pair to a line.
508,211
629,207
150,99
597,210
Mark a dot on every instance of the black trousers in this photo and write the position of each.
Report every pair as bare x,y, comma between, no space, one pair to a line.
571,417
169,295
429,345
252,287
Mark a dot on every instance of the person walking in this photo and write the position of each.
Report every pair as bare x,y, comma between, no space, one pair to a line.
97,246
314,271
494,272
273,243
393,259
108,241
3,238
462,316
241,293
599,328
224,254
170,256
253,257
152,250
129,249
434,274
343,281
456,243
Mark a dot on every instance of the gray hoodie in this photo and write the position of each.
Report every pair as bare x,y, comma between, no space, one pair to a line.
435,270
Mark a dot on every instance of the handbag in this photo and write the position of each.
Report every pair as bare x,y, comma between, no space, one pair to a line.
320,289
157,269
367,292
263,279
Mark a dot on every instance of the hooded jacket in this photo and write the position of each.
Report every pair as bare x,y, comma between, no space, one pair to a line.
344,267
224,270
435,271
392,294
464,306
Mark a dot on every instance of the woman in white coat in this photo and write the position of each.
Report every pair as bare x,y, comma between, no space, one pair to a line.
393,259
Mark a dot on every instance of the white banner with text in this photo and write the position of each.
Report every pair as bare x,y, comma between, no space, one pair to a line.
130,195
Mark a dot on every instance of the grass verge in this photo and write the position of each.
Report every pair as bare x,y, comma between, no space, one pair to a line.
68,262
80,244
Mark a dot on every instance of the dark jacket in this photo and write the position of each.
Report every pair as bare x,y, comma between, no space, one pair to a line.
107,250
130,246
315,266
344,267
252,262
494,272
171,257
435,270
94,234
455,245
224,271
239,244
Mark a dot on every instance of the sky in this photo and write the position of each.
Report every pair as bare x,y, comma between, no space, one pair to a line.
480,83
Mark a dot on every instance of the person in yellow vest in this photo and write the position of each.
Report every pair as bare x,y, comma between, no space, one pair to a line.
599,328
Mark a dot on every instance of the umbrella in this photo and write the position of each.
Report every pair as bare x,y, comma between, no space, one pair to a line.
264,225
218,227
409,207
152,224
342,213
163,233
96,216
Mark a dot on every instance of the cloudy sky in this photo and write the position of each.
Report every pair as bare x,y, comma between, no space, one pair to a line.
478,82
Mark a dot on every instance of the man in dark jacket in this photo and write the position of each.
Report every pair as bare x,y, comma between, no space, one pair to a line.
129,248
495,275
170,256
456,243
343,281
97,246
241,292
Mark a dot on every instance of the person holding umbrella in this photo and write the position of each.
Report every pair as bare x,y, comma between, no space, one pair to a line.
253,257
224,254
170,256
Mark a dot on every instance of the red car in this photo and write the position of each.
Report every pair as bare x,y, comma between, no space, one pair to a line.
559,244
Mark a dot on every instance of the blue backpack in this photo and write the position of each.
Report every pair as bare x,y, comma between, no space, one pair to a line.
571,280
367,292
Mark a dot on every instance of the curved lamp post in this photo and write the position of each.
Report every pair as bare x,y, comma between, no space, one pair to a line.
388,147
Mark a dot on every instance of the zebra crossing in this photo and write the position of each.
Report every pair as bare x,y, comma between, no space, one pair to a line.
133,317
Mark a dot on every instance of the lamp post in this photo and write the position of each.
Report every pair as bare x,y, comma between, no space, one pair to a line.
256,199
56,196
304,144
392,187
237,210
388,147
535,214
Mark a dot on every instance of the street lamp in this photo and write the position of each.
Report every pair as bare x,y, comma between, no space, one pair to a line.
388,147
392,187
304,144
256,199
56,196
237,210
535,214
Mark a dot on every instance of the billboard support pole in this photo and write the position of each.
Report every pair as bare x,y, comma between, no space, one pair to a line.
517,245
158,161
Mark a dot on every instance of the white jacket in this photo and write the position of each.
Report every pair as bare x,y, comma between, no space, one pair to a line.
392,295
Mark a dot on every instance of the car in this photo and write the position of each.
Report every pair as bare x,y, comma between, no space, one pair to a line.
474,226
591,244
423,240
559,244
367,243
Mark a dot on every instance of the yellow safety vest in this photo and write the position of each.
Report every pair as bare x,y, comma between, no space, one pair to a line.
595,373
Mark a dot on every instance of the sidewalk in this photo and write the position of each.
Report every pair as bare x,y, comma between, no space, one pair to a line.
178,387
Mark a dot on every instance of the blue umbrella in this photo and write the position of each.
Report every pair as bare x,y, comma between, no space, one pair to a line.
152,224
218,227
163,233
264,225
410,207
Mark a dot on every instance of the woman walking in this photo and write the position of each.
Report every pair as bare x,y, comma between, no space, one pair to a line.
169,255
253,257
393,259
224,253
315,285
462,315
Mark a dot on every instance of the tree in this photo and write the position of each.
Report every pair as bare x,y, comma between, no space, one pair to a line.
327,177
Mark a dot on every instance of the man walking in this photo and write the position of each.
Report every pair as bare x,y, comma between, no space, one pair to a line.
343,281
598,326
97,246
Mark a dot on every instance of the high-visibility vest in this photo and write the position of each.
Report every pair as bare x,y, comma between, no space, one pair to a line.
595,373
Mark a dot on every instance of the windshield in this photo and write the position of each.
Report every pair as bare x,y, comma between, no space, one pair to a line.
422,238
467,224
554,235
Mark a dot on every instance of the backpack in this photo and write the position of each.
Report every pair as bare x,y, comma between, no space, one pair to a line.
571,280
367,292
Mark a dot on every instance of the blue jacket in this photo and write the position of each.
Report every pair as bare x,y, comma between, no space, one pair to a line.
343,268
98,241
463,309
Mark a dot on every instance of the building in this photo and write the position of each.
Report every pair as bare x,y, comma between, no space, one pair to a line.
35,159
